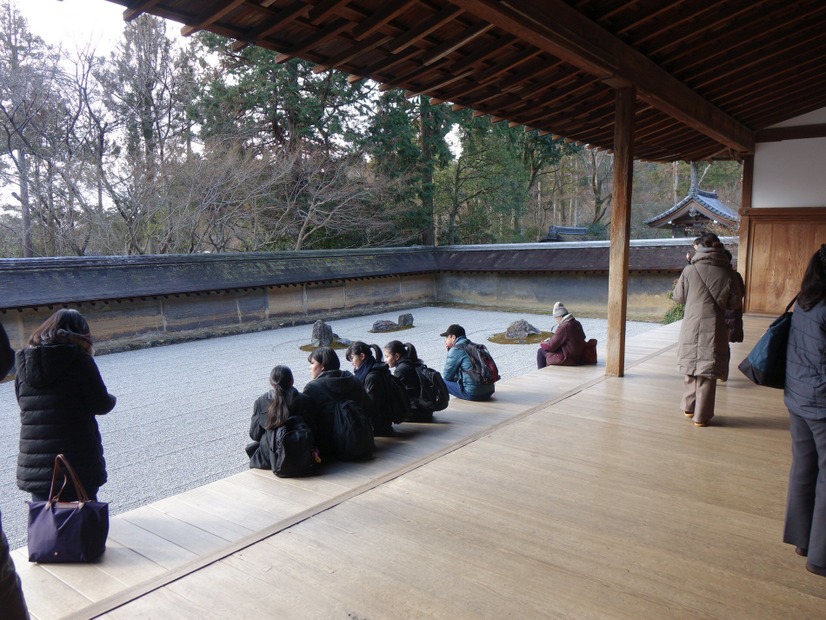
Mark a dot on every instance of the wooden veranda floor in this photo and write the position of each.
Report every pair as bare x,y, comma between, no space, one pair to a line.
571,495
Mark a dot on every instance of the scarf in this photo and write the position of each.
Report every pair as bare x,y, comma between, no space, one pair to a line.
364,369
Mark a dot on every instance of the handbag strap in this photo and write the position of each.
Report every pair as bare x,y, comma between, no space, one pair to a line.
60,461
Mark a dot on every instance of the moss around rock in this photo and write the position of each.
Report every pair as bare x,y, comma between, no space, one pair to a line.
309,348
530,339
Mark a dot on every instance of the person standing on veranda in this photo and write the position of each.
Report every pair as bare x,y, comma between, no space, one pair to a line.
805,397
60,392
702,349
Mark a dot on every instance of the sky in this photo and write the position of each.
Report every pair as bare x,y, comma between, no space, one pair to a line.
74,23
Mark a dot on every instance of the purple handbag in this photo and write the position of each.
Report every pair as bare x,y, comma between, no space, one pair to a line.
67,531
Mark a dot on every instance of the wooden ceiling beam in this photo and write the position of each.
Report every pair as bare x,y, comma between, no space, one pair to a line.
388,63
787,16
694,23
745,90
280,21
425,28
736,63
324,9
135,9
514,86
330,31
451,45
206,19
441,82
560,30
380,18
799,132
354,51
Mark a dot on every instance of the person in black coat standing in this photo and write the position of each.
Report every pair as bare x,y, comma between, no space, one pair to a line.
271,411
60,391
805,397
12,602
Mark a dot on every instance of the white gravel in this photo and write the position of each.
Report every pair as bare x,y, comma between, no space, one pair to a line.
183,410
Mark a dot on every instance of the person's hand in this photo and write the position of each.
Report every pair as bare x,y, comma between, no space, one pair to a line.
688,256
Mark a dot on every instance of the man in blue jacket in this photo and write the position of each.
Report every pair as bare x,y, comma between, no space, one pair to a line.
457,369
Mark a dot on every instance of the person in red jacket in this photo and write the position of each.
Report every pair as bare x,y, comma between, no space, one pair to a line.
568,346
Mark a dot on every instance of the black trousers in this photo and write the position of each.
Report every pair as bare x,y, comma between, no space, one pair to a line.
806,505
12,604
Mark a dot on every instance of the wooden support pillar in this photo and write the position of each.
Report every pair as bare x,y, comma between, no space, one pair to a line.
745,208
620,229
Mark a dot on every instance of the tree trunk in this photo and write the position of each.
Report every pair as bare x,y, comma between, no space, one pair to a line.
426,191
23,169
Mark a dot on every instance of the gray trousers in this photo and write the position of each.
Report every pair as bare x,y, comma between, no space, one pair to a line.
698,397
806,504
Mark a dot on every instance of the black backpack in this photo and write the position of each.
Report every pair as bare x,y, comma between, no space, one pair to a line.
433,394
397,395
484,370
352,431
294,453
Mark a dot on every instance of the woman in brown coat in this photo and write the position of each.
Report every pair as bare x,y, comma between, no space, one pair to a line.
702,350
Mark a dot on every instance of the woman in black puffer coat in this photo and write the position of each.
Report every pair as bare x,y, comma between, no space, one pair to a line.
60,391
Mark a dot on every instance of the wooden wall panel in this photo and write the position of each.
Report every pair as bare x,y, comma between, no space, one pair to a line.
777,244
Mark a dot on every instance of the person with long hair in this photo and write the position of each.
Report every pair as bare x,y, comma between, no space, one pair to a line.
705,288
374,375
60,391
329,383
271,411
805,397
403,359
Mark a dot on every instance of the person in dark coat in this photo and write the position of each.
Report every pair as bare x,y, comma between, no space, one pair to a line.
403,359
805,397
60,391
734,316
12,601
374,375
329,383
568,346
271,411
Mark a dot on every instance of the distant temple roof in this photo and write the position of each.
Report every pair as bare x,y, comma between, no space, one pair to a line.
694,212
555,233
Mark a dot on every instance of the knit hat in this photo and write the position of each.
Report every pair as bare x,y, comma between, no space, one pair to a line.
560,310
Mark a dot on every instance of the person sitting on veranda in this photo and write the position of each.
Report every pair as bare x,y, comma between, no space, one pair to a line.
567,347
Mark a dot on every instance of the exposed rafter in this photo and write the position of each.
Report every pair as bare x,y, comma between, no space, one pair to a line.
707,75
